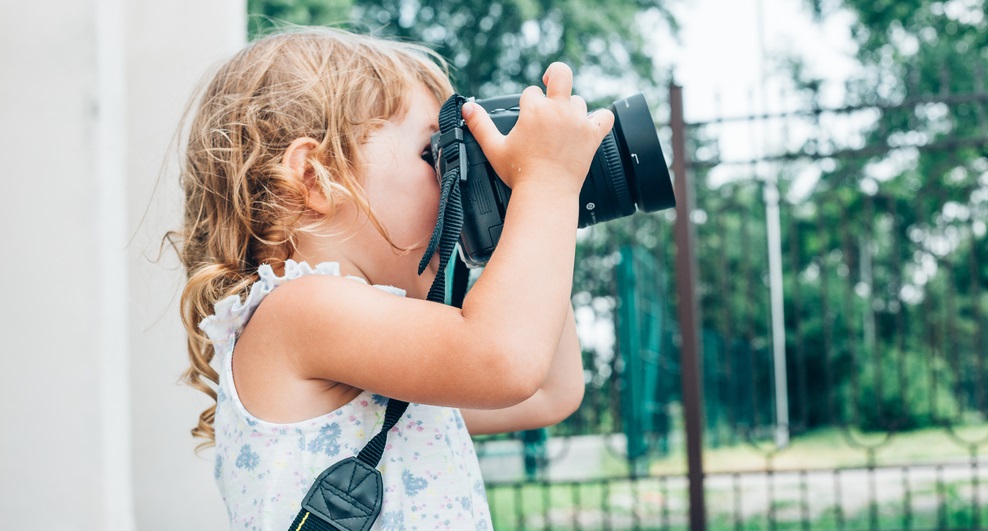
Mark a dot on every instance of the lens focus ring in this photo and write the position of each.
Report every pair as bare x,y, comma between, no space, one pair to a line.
615,170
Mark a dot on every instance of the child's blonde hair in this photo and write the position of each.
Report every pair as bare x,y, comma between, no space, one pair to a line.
243,207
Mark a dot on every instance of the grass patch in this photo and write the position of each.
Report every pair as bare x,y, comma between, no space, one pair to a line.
833,448
617,504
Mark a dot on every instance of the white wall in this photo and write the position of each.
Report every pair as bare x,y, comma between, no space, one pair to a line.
93,426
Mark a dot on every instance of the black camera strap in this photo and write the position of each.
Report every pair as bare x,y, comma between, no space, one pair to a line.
348,495
451,166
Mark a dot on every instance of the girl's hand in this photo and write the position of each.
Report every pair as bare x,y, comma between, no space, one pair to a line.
554,140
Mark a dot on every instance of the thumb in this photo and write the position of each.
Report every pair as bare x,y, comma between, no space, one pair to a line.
481,126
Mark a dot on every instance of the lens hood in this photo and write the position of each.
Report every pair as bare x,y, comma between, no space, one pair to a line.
642,155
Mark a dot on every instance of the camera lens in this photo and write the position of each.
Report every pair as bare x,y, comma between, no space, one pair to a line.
628,172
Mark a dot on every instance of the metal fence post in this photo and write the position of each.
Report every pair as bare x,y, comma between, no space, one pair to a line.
691,348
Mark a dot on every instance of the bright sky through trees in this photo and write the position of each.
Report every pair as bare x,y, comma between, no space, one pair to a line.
719,50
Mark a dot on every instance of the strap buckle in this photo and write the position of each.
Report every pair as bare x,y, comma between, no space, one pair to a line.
449,156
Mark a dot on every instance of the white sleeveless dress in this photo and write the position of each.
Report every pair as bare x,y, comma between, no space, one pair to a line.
263,469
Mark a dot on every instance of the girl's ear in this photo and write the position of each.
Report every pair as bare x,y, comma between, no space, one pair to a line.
296,158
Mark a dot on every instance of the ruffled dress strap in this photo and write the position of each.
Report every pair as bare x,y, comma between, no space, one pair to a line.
231,314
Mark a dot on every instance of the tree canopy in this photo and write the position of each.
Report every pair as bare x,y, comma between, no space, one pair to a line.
501,46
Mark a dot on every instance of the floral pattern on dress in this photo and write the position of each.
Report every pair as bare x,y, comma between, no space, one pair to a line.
327,441
413,484
248,459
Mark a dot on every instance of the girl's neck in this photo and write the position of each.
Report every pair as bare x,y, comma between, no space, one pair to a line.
364,253
348,266
328,240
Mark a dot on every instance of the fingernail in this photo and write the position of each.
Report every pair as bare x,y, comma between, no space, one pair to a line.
467,110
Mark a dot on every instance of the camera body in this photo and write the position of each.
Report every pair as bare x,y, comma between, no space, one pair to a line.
628,173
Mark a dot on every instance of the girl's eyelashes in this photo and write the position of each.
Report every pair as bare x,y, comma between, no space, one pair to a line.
427,156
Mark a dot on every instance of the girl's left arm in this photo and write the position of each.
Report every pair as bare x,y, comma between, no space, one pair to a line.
560,395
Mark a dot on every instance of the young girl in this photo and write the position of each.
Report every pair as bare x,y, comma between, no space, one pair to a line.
310,198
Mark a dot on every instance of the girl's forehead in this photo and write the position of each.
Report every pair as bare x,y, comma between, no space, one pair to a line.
421,95
419,104
418,115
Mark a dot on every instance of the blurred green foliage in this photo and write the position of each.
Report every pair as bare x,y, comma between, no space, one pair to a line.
501,46
265,16
888,250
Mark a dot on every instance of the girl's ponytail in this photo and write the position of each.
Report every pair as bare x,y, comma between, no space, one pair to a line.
206,285
208,282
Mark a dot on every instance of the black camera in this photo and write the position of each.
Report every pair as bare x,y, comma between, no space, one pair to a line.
628,173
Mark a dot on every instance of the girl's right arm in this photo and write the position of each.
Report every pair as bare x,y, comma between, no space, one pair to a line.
497,350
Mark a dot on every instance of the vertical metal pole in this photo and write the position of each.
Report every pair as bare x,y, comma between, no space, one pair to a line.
774,236
773,227
689,313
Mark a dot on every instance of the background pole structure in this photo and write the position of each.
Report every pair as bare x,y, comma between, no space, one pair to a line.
773,236
691,350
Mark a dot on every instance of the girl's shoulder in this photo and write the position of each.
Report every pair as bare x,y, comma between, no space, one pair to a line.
232,313
256,342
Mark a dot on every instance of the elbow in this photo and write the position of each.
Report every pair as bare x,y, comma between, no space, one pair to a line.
564,404
573,401
513,375
521,382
